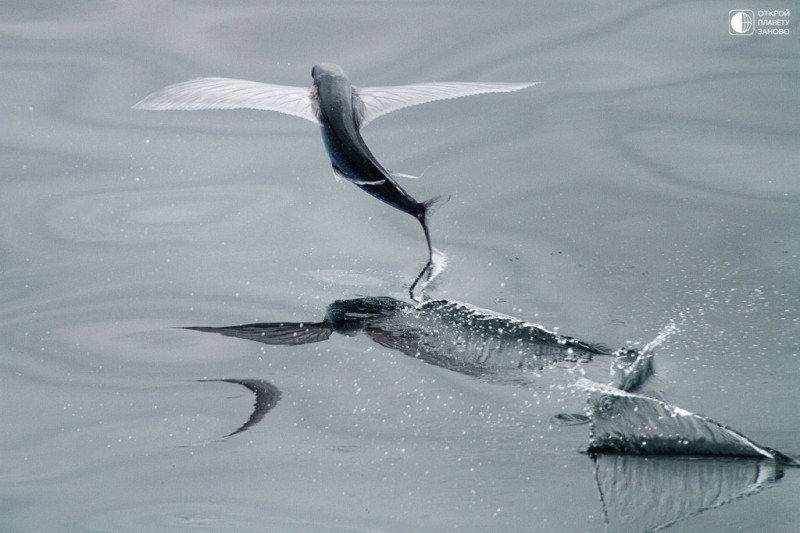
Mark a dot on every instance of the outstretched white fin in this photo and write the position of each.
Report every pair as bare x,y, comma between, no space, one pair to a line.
373,102
401,175
227,93
369,102
339,175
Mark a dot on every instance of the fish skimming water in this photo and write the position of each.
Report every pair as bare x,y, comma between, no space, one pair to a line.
341,110
454,335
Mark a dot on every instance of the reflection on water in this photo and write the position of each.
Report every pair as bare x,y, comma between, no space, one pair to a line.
641,493
267,397
138,217
654,463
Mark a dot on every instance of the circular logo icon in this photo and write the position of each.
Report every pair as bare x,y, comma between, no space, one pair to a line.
741,22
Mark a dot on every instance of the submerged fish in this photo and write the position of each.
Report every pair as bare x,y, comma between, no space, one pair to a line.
446,333
341,110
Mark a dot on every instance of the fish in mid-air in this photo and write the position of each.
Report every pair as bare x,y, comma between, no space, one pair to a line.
341,110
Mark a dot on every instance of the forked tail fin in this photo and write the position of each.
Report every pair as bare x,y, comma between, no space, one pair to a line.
433,204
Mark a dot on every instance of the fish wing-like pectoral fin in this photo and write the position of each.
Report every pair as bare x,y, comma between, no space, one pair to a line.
280,333
339,175
401,175
373,102
227,93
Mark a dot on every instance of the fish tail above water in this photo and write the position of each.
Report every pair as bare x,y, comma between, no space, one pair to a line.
429,207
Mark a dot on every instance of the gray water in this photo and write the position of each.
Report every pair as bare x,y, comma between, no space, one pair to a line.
651,179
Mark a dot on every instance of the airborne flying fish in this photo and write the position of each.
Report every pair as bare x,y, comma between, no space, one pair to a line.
341,110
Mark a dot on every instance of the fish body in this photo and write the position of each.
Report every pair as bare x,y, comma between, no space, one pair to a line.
350,156
494,341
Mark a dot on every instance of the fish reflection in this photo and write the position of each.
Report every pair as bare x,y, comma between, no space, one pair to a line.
641,494
446,333
267,396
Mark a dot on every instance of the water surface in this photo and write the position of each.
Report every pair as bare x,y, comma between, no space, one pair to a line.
651,179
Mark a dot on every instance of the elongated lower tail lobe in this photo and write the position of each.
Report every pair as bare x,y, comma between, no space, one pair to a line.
429,208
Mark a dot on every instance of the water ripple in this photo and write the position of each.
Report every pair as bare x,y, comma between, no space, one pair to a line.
156,215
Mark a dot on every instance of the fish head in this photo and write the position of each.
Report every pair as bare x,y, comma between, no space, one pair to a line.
327,70
332,90
349,317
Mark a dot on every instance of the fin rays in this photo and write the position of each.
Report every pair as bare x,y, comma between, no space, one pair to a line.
228,93
379,101
371,102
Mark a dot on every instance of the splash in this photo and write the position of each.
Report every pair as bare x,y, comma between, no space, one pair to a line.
632,368
434,268
438,264
662,336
